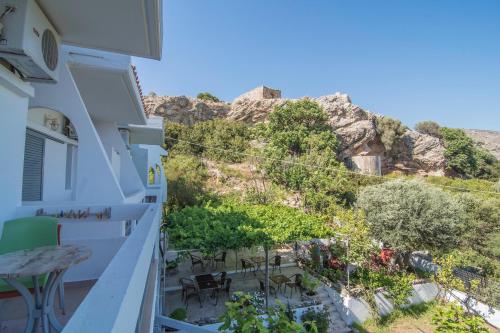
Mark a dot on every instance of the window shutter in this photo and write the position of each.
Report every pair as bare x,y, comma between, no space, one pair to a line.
33,166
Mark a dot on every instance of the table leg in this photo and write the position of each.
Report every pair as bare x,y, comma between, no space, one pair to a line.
38,300
28,299
45,309
50,291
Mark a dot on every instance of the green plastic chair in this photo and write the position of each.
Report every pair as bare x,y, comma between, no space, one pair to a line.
27,233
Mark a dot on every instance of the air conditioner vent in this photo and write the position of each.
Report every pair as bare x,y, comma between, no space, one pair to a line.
49,49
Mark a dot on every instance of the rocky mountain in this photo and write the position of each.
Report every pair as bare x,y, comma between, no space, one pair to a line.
489,140
356,127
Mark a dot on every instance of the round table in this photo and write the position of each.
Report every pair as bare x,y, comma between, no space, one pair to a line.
35,263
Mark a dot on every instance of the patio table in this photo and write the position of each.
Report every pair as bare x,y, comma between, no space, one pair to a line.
35,263
258,261
279,280
206,282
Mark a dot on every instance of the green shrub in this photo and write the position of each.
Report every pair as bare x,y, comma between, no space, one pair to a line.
320,317
390,131
463,157
482,223
206,96
429,127
243,317
179,314
410,215
218,139
302,155
453,318
186,176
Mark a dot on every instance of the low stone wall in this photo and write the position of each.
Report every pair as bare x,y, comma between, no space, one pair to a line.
357,310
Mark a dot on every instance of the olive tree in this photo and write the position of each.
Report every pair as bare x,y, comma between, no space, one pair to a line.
410,215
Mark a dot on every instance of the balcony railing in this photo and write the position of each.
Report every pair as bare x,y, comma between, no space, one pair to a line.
121,300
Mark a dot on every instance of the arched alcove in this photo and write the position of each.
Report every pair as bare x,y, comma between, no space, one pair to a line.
51,150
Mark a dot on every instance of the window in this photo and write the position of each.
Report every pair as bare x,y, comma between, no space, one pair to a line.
151,176
158,172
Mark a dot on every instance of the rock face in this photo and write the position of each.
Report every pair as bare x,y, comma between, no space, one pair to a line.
185,110
355,127
489,140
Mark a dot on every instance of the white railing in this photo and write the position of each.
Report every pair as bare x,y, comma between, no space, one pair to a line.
115,302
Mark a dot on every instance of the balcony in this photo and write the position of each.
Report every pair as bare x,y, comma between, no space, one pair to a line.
123,297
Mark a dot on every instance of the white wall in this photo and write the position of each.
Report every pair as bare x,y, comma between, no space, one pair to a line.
41,116
14,96
120,158
95,181
54,172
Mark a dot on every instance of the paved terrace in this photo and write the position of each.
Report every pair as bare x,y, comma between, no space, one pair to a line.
13,309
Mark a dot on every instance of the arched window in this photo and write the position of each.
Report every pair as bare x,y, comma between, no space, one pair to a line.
151,176
158,172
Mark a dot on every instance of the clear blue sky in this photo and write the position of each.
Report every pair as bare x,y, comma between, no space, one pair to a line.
413,60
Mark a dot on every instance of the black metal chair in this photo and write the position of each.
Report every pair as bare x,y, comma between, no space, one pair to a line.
276,263
226,288
221,278
220,259
188,290
247,264
195,260
295,284
272,290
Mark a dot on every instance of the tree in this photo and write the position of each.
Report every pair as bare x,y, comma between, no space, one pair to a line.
429,127
410,215
390,131
206,96
302,155
463,157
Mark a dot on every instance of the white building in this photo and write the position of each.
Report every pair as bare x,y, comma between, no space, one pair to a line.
74,136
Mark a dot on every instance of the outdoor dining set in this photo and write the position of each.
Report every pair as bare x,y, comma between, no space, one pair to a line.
210,286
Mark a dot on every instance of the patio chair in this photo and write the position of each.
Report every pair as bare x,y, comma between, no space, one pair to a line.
276,263
247,264
226,288
272,290
221,278
220,259
188,290
295,284
195,260
28,233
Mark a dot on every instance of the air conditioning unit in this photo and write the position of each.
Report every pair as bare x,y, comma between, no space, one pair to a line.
28,41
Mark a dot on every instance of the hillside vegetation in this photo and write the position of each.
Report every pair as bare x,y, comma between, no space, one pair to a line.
289,167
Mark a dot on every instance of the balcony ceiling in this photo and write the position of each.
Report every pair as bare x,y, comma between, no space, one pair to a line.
132,27
150,134
107,85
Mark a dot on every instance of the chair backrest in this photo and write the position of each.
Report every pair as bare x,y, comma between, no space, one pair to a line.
185,282
28,233
277,260
228,284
